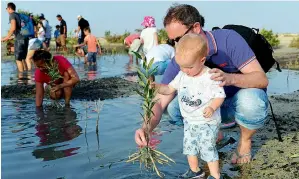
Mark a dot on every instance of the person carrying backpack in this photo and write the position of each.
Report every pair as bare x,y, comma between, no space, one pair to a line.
238,71
22,28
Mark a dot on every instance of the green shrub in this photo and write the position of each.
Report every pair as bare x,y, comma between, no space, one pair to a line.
162,36
271,37
295,43
116,38
35,16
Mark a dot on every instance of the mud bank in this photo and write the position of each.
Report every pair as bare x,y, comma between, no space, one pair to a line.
271,158
104,88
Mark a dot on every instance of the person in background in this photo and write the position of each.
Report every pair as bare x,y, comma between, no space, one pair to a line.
41,33
60,88
82,52
162,55
34,24
82,24
21,42
63,32
56,36
149,35
34,44
92,43
48,30
133,43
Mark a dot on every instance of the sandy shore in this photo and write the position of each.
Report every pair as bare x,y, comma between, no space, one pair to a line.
271,158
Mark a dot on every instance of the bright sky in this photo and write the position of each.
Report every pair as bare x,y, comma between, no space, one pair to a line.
281,17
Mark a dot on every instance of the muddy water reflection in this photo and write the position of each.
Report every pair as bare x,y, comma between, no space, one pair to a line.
56,126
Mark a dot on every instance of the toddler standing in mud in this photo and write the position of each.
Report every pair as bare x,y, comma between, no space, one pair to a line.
92,43
200,99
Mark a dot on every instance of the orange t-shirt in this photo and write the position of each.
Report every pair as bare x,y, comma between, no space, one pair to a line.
91,43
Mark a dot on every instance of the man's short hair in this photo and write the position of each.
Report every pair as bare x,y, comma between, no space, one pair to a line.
87,29
11,5
185,14
58,15
57,26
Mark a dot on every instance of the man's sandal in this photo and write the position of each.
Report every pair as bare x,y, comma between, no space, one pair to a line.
238,157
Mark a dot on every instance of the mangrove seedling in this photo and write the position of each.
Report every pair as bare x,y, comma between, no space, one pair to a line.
98,107
53,72
147,155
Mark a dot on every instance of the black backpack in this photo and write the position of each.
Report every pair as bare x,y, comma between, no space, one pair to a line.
263,52
259,45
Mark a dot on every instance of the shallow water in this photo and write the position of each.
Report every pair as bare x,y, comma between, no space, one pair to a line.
64,143
118,65
107,66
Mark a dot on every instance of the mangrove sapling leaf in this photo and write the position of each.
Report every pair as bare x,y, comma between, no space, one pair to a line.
141,83
151,63
137,55
140,93
154,71
144,64
147,155
141,76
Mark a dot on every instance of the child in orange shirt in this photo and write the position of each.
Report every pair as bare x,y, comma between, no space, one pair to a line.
91,42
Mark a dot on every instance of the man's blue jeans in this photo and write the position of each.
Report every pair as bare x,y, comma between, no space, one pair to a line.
248,107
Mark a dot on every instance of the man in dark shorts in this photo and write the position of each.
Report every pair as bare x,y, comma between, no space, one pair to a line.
21,42
82,24
63,32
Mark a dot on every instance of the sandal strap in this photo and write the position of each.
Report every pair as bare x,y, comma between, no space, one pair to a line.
243,155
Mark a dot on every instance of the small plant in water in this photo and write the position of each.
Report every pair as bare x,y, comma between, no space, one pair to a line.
98,107
148,156
53,72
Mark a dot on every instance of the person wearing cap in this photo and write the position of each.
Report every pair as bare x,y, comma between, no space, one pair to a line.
82,24
63,32
48,30
149,35
34,23
133,43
